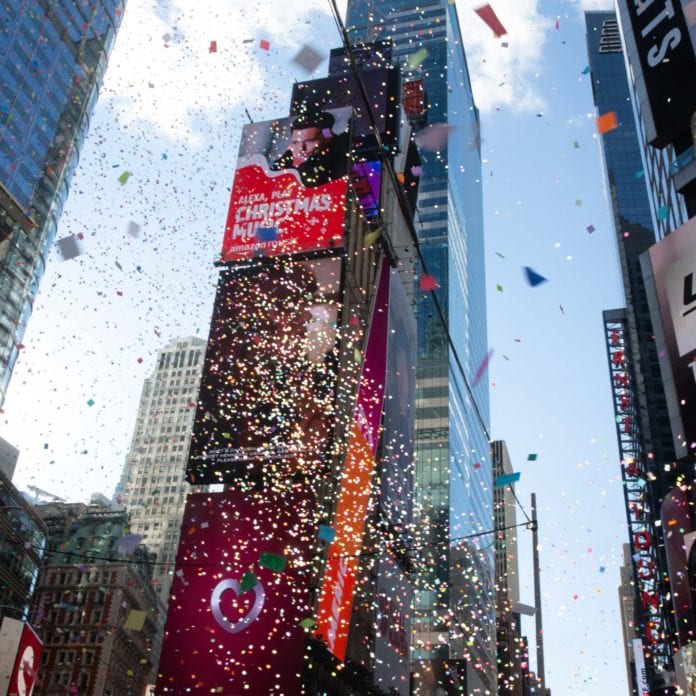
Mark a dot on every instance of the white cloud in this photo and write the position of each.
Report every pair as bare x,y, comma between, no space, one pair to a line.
505,76
162,72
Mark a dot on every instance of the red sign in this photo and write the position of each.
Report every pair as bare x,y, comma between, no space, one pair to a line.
239,594
19,637
289,190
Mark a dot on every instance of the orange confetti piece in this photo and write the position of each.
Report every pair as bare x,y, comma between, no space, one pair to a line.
607,122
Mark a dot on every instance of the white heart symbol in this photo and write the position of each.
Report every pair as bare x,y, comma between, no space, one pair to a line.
218,614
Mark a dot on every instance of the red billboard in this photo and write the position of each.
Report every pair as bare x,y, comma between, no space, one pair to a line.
266,401
239,595
290,185
338,585
20,654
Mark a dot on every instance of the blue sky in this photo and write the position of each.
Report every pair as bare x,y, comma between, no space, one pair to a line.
171,113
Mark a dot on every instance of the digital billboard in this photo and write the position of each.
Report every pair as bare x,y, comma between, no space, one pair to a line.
239,594
383,88
338,584
669,267
266,400
661,54
290,184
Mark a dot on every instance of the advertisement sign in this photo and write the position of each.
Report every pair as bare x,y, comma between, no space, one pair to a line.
396,470
239,594
382,86
20,655
393,627
658,39
672,299
266,402
289,188
675,514
337,589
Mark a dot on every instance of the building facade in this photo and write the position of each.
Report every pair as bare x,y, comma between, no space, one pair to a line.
152,488
453,470
22,549
52,60
642,419
95,609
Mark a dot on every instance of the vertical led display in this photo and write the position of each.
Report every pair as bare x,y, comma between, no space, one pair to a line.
239,594
266,403
338,586
289,189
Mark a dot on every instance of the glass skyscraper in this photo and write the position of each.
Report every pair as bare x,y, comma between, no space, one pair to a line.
642,421
454,608
53,54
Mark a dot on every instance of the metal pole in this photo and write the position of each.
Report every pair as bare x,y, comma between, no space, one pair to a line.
537,599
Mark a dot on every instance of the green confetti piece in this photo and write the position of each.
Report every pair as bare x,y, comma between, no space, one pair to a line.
308,623
123,178
531,457
272,562
499,288
417,58
248,581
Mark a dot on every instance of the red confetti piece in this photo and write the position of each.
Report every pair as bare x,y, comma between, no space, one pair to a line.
213,47
488,15
427,282
264,45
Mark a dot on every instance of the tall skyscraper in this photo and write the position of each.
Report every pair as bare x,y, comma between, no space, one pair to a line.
642,420
453,470
52,60
152,488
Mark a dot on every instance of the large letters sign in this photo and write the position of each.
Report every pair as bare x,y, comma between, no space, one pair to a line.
280,205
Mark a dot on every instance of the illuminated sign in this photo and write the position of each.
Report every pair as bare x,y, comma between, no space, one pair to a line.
338,585
239,594
289,189
20,655
382,87
266,400
658,39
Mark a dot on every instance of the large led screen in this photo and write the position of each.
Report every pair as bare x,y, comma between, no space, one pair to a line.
266,401
672,300
338,585
383,89
239,595
289,189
